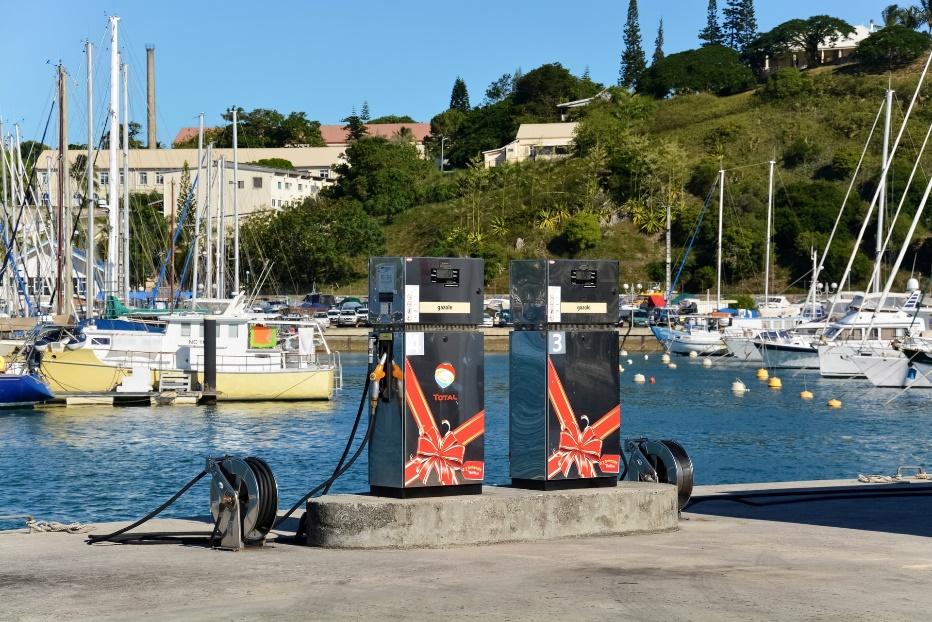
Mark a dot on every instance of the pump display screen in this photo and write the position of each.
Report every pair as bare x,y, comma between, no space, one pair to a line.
586,278
448,277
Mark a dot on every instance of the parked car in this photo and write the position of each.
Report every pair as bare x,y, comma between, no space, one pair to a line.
362,316
323,319
504,318
488,321
334,316
347,317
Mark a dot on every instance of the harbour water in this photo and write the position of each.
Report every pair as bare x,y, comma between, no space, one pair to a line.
97,464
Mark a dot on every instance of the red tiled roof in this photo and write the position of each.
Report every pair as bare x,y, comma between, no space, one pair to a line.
187,133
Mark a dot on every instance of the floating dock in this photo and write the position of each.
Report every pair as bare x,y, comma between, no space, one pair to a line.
845,557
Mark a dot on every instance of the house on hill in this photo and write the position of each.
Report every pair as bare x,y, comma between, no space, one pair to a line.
534,141
829,53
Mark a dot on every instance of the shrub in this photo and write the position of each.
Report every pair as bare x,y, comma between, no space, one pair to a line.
784,84
891,47
843,164
743,301
800,151
581,232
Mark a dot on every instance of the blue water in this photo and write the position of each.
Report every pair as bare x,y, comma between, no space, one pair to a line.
95,464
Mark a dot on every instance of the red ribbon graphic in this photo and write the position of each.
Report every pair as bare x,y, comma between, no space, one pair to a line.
582,448
442,454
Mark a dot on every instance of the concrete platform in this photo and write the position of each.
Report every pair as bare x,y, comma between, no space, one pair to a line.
499,514
772,562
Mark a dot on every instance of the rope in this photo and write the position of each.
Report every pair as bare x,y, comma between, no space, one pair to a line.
35,526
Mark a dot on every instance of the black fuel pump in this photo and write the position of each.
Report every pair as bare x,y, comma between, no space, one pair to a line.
565,412
428,378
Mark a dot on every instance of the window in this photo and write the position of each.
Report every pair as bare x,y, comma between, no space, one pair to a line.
122,179
233,331
279,185
300,187
45,179
104,178
195,330
159,178
256,182
143,179
240,184
100,341
185,330
287,185
325,173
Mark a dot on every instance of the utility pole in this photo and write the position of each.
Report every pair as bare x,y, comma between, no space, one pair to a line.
90,259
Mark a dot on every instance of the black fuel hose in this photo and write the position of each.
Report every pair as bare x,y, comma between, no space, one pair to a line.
787,497
110,537
343,465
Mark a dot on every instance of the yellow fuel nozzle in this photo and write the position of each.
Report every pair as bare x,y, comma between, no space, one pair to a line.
378,372
397,374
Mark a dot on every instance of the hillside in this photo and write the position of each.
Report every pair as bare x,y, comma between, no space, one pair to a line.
813,125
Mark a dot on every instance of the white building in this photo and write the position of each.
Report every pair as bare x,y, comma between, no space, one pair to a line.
534,141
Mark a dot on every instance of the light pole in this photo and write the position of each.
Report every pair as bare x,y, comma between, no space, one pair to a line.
443,140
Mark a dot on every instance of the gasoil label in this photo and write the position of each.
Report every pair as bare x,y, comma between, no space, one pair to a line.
412,304
444,307
584,307
553,303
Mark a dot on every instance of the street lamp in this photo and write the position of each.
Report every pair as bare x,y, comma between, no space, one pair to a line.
443,140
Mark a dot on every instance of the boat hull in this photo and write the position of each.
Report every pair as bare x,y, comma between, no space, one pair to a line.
80,371
681,342
890,370
836,361
743,349
787,356
22,390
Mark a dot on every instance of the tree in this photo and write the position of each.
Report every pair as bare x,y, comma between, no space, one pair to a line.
581,232
537,93
658,44
910,17
633,62
740,24
925,11
712,68
500,89
807,34
30,150
891,47
391,118
279,163
364,112
148,236
263,128
385,177
355,127
459,96
712,33
134,130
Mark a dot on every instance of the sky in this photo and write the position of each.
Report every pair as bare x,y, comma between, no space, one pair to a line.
324,58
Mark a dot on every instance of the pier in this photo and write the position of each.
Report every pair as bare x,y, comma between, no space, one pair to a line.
853,558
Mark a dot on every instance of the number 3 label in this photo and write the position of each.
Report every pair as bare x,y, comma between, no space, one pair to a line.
556,343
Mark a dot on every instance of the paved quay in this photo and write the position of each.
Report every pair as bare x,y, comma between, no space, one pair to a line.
734,557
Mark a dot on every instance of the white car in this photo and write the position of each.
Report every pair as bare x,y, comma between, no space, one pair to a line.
488,321
323,319
347,317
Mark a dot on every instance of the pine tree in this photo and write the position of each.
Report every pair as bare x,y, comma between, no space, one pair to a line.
658,45
364,113
740,24
633,62
459,97
355,127
712,33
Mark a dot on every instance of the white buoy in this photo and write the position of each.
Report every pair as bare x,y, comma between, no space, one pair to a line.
672,365
645,357
693,354
707,362
664,358
624,353
630,362
639,378
738,387
621,369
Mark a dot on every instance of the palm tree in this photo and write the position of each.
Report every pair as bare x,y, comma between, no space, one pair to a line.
925,11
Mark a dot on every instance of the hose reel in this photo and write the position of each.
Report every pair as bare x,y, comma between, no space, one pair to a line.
660,461
243,500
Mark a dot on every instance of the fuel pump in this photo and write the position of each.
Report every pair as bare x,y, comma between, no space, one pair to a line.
428,376
564,406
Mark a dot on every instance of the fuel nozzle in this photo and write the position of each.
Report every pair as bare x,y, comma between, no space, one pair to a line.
375,377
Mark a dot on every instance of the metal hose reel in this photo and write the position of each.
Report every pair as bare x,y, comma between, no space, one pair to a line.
660,461
243,500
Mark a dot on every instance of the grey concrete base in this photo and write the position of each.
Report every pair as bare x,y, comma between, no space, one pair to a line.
500,514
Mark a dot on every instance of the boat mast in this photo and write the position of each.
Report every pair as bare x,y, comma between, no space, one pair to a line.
769,234
11,300
90,259
221,232
207,270
113,216
197,212
882,202
62,176
668,283
721,205
125,229
235,208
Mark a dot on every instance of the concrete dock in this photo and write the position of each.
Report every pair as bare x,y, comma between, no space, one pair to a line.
750,559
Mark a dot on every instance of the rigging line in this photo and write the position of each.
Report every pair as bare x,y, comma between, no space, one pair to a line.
738,168
692,238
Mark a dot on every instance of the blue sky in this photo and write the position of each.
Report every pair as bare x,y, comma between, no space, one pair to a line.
325,57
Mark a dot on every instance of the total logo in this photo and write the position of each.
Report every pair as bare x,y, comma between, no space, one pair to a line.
444,376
